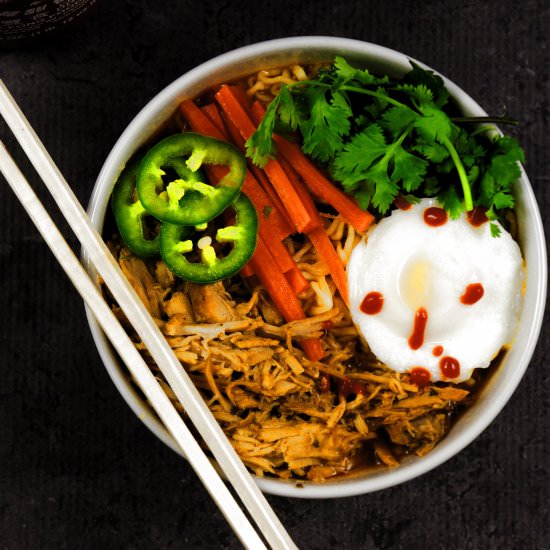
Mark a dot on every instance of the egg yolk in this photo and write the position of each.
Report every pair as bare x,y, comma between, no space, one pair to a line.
415,283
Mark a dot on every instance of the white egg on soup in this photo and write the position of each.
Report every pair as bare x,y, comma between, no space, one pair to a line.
434,296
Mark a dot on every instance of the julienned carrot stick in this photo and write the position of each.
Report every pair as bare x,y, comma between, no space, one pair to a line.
199,121
297,281
323,245
322,188
213,113
246,271
244,99
317,183
257,111
280,253
231,106
313,348
276,285
319,238
303,193
265,184
298,212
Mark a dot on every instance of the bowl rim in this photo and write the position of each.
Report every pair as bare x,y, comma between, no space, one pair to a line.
142,125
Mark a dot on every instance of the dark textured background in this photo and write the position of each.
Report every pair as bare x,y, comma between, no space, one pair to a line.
77,468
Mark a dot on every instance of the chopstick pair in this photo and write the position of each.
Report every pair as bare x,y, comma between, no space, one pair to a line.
254,501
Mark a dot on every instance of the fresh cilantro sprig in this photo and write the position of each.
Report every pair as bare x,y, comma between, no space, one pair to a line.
381,137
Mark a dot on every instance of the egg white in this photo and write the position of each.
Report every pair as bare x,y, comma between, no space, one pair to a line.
413,264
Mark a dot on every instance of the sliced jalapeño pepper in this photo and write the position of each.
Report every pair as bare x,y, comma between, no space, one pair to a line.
129,213
184,201
179,241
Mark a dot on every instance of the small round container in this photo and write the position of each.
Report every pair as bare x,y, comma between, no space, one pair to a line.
378,59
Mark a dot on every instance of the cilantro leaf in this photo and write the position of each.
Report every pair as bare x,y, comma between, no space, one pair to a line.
396,119
287,109
451,202
433,125
351,164
385,189
260,146
409,169
435,83
502,199
495,229
419,94
432,151
324,130
346,72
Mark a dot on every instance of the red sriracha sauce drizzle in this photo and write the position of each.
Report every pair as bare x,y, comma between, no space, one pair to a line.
449,367
435,216
416,339
420,376
472,294
477,217
372,303
402,203
437,351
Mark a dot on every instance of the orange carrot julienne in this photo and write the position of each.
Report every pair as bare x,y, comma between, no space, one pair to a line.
274,197
323,245
244,99
319,238
313,348
303,193
317,183
276,285
213,113
298,212
237,114
322,188
246,271
199,121
297,281
281,254
230,104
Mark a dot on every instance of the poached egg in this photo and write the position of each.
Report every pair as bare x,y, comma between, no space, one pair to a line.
433,296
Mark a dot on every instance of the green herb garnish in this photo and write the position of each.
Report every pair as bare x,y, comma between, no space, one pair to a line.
380,137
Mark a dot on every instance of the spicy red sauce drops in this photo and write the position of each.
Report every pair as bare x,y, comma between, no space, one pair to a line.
372,303
420,376
472,294
416,339
435,216
449,367
477,217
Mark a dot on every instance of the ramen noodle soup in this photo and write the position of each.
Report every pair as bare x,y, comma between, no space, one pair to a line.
347,339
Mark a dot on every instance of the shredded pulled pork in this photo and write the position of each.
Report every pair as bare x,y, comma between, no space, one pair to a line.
285,415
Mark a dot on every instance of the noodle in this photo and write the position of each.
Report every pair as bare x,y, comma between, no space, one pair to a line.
265,84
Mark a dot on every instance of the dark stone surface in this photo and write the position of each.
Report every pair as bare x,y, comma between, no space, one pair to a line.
77,468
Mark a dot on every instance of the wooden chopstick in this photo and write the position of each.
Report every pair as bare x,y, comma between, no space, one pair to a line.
195,407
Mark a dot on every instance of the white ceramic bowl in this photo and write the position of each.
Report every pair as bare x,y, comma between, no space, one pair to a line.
379,59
